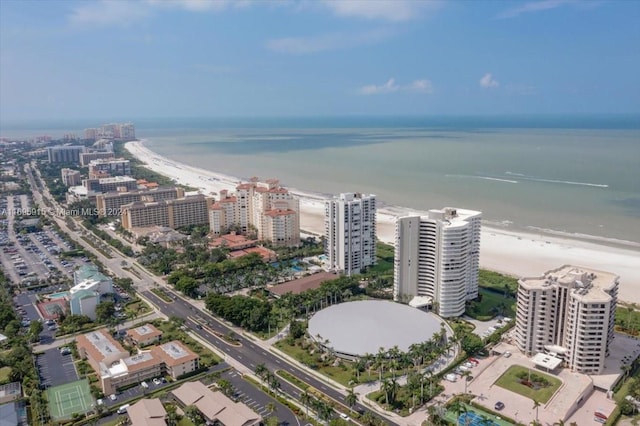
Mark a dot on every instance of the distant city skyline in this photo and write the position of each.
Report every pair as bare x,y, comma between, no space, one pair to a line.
186,58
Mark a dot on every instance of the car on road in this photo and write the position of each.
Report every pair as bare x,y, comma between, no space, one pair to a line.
507,354
344,417
499,405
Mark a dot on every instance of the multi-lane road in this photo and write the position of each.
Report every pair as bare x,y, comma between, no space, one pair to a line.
248,353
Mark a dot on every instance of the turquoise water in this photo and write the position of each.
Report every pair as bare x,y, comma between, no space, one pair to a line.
576,174
570,180
60,295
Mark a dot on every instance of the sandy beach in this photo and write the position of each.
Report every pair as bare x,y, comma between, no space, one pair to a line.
515,253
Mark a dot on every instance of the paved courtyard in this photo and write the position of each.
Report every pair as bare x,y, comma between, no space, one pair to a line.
521,408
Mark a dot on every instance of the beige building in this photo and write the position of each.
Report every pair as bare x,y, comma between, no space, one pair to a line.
177,359
70,177
144,335
87,157
100,349
109,204
568,312
147,412
111,167
215,407
265,207
110,184
117,369
186,211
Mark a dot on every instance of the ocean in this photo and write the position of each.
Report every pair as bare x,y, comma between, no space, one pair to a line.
575,175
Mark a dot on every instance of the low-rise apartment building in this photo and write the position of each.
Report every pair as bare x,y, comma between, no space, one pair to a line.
112,167
110,184
144,335
117,369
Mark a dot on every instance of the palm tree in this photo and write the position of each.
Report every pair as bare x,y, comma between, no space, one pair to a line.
306,399
261,371
351,399
466,375
536,404
559,423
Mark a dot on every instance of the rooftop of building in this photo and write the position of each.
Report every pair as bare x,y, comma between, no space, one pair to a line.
588,284
11,389
116,179
147,412
108,161
232,241
174,353
140,361
102,343
267,254
302,284
146,331
215,405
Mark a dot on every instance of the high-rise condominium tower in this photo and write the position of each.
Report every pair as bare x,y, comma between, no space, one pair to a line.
570,312
437,256
350,232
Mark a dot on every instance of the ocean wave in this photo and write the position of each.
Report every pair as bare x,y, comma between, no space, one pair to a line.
582,236
566,182
484,178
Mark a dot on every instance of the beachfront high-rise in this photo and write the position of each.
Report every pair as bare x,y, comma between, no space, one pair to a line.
265,208
173,213
437,257
569,312
350,232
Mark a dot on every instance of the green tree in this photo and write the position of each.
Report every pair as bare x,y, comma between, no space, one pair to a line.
351,399
105,311
471,344
34,330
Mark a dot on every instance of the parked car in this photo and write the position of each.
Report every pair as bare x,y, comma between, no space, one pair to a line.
157,381
507,354
499,405
113,397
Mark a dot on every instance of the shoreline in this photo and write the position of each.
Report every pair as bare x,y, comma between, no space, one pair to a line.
518,253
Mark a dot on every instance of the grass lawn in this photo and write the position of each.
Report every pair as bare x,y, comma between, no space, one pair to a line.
627,320
510,381
5,372
384,259
498,282
486,309
137,308
185,421
343,374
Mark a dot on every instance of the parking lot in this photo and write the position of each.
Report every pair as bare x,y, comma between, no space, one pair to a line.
55,369
35,255
257,400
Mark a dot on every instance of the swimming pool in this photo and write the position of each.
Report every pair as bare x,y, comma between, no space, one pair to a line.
60,295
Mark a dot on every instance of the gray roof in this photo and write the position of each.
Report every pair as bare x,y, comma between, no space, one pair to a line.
357,328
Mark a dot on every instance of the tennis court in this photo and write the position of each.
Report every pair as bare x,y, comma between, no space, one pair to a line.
70,398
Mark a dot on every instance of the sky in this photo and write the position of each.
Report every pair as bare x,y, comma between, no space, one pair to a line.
198,58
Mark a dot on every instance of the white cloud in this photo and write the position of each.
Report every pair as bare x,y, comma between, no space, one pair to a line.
421,86
539,6
418,86
487,81
389,87
323,42
388,10
105,13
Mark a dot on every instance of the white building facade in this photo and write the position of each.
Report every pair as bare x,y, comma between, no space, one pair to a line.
437,256
350,232
568,312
